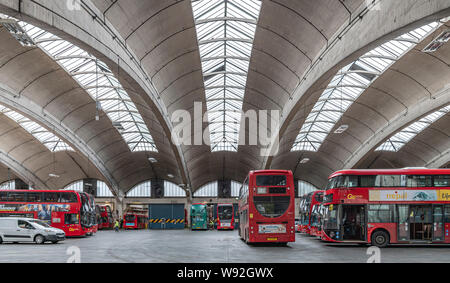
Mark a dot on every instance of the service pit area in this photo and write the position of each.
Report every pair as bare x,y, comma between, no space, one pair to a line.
185,246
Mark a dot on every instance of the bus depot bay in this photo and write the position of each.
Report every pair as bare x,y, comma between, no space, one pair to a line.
385,207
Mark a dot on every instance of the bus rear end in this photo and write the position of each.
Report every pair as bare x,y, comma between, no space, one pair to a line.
130,221
271,207
225,216
199,217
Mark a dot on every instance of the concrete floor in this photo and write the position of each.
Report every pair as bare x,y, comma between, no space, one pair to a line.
207,247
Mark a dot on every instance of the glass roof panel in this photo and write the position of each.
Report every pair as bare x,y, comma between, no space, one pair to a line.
225,32
349,83
99,81
50,140
399,140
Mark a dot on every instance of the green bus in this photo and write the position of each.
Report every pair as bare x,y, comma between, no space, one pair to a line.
199,217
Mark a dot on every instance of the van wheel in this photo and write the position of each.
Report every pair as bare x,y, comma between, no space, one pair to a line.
380,239
39,239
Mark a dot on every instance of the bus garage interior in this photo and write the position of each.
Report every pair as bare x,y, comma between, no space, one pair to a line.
349,102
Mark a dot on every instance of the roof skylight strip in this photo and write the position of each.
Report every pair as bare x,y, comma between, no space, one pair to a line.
399,140
99,81
225,33
50,140
350,82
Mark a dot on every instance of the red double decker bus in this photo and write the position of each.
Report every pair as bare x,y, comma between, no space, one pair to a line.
135,220
105,217
385,207
69,211
225,216
309,212
267,207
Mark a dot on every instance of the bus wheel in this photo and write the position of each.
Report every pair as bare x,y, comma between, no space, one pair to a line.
1,240
39,239
380,239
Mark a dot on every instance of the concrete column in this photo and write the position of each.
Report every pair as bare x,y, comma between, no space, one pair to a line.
157,188
90,186
224,187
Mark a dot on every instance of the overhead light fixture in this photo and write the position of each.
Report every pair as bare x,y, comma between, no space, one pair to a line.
152,160
438,42
341,129
170,176
305,160
98,108
17,32
53,176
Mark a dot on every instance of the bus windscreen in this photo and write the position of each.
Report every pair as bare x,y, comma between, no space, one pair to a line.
273,206
225,212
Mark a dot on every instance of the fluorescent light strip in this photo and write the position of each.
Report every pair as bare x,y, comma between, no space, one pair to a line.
399,140
349,83
225,32
51,141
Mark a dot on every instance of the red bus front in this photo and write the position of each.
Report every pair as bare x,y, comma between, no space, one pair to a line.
225,216
267,201
385,207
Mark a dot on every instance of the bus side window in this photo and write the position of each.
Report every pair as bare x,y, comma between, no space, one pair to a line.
447,213
442,181
3,196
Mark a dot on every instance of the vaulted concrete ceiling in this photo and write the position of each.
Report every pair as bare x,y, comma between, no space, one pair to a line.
32,77
298,47
416,85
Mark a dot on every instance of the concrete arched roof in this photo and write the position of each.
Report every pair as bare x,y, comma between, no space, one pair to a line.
298,46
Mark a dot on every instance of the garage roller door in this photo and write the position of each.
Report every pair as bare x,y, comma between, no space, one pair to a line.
166,216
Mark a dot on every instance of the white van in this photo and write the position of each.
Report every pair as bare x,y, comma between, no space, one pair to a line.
16,230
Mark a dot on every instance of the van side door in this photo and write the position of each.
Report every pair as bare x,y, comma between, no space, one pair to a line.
24,232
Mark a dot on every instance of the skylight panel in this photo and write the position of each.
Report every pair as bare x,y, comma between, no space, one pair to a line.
225,33
399,140
50,140
100,83
349,83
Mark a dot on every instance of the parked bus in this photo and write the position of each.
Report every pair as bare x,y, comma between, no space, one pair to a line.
88,215
66,210
225,216
94,217
302,215
199,216
267,207
316,220
385,207
106,220
311,200
135,220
